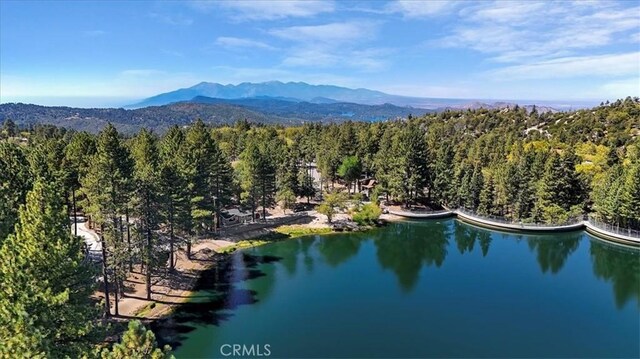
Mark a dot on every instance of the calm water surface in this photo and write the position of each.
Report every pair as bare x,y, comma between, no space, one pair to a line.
421,289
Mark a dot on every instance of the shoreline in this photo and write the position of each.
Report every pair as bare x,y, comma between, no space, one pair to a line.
172,289
585,225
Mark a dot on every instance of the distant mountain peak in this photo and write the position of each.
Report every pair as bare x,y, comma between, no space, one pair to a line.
301,91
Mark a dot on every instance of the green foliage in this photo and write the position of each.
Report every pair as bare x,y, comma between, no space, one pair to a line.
146,196
286,198
108,186
368,214
45,304
174,205
350,169
137,343
15,182
332,204
9,128
257,170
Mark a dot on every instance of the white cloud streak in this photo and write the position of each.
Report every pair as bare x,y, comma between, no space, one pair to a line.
236,42
267,10
419,9
333,33
627,64
518,31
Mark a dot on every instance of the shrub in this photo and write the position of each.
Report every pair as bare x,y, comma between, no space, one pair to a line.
369,214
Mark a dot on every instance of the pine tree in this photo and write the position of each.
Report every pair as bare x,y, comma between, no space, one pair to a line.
15,182
77,154
258,175
443,175
45,305
146,194
220,180
106,186
413,158
630,196
487,197
175,208
199,155
137,343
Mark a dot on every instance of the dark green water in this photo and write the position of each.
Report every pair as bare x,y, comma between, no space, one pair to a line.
422,289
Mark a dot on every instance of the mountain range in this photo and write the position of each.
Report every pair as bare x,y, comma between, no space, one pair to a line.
291,91
267,102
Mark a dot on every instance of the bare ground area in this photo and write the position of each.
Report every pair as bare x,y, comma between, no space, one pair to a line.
169,289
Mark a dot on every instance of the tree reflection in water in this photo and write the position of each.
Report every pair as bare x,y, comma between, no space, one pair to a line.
552,252
338,249
619,266
408,246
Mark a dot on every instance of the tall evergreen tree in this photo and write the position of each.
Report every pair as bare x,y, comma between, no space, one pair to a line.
77,154
175,205
106,186
630,196
199,155
146,203
45,305
15,182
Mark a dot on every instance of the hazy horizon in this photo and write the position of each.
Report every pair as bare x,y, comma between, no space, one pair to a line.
90,53
121,102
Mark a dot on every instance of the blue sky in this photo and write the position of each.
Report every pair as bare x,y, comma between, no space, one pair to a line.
105,53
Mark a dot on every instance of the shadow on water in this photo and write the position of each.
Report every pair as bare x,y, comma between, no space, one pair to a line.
223,296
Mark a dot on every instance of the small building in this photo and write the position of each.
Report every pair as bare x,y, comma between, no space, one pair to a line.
367,185
235,216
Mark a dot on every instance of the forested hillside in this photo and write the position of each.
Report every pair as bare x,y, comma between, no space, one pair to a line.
212,111
146,193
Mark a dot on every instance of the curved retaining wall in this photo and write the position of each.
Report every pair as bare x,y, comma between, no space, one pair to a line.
441,214
611,236
519,227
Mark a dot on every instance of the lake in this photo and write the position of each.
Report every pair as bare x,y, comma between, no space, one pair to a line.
438,288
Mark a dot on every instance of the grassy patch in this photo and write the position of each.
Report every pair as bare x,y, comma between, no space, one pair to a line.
297,230
278,234
244,244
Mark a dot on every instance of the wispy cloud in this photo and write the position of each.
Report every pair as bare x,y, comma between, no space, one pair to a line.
424,8
519,31
236,42
267,10
365,60
337,32
627,64
338,44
